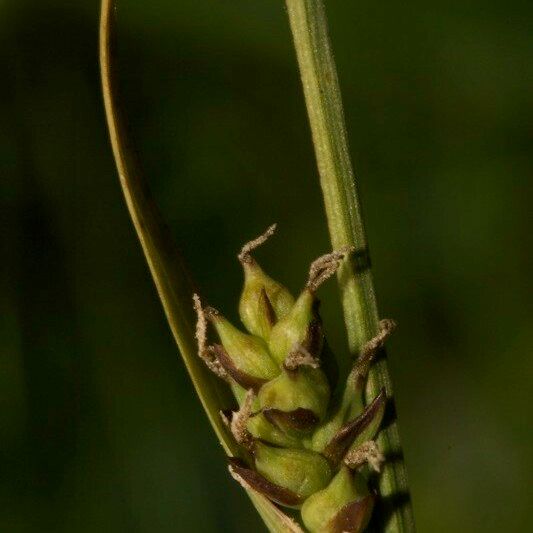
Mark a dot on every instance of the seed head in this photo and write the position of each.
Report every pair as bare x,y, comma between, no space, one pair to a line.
309,448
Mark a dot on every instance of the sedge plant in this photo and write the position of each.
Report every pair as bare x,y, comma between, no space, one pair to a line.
310,449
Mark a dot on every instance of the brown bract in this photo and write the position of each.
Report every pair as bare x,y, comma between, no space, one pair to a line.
251,479
339,444
352,518
300,419
244,379
267,306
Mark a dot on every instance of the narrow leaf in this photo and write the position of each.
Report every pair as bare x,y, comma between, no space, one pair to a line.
168,270
172,280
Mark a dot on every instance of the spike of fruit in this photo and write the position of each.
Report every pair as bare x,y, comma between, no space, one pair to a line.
248,353
302,472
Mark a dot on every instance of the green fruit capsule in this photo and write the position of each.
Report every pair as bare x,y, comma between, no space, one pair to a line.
263,301
343,506
260,428
301,326
248,353
296,400
299,471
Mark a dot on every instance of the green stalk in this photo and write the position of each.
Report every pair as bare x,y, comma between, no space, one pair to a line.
324,106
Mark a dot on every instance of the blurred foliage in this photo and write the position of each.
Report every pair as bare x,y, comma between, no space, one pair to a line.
100,428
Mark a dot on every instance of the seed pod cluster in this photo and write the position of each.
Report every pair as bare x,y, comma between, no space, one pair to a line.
310,442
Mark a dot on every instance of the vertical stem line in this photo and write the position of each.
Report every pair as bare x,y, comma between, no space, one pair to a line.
343,210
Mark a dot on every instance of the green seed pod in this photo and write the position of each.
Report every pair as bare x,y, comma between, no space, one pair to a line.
263,301
301,326
248,354
343,506
299,471
296,400
260,428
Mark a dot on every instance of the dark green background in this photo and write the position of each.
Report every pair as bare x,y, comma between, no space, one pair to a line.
100,429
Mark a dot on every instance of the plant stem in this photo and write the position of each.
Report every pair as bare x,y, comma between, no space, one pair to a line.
324,106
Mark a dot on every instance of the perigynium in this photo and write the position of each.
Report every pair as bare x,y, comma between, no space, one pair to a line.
306,440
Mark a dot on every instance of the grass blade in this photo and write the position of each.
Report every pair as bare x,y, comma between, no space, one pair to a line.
173,282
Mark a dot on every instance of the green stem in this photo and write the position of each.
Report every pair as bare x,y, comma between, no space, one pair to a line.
324,107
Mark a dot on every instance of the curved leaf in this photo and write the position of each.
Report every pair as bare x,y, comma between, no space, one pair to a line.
172,280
